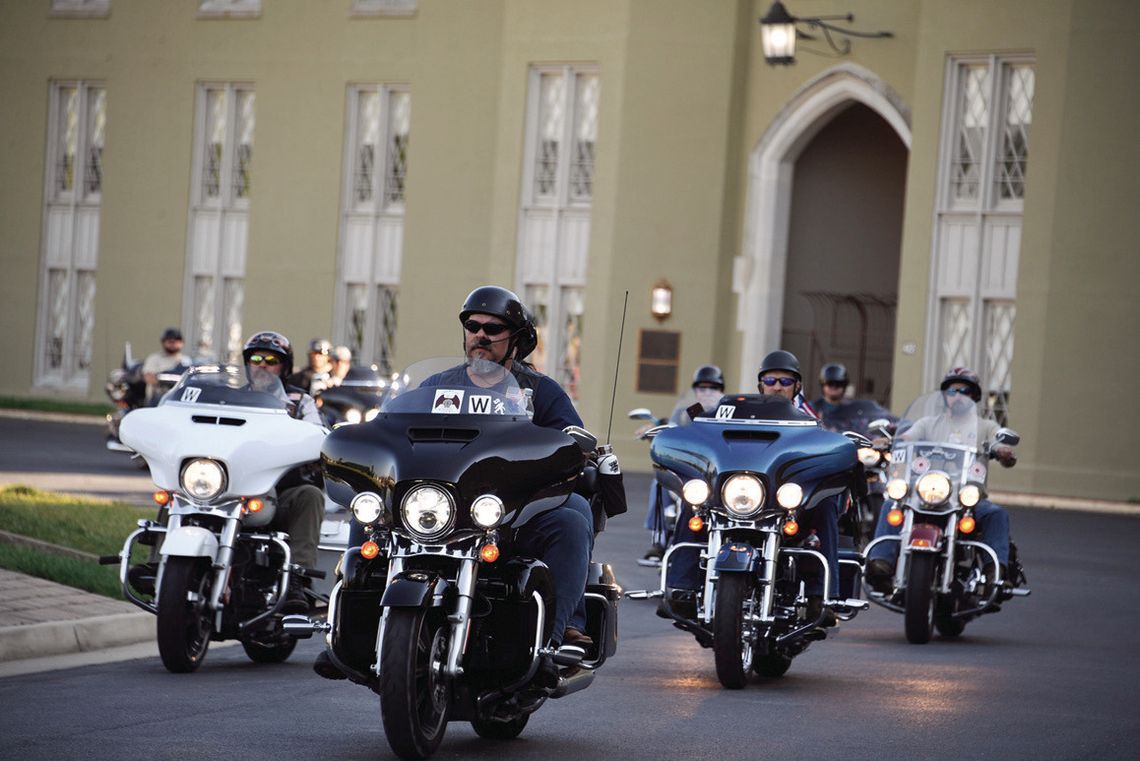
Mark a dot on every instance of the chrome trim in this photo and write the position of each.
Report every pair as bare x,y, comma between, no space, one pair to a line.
779,423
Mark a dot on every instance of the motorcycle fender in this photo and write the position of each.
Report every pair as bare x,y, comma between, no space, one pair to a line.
415,589
190,541
925,537
737,557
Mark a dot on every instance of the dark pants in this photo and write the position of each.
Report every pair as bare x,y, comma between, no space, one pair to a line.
299,512
993,529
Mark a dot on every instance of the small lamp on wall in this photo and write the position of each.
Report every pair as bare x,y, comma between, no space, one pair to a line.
661,300
778,33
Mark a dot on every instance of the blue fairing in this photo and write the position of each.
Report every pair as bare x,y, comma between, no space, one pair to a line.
818,460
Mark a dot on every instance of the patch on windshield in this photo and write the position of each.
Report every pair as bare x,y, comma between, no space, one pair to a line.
447,402
190,394
920,465
725,411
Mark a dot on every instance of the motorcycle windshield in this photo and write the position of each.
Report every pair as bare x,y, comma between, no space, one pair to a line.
855,415
940,432
455,387
229,386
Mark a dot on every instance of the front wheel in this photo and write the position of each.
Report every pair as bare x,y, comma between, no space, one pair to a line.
919,617
183,624
269,652
732,629
500,730
772,664
414,693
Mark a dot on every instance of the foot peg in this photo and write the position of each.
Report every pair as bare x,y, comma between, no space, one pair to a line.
849,605
568,655
303,627
644,594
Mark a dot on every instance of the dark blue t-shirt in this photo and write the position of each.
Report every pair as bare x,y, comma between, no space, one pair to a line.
552,407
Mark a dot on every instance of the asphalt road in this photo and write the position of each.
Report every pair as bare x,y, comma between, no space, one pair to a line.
1052,676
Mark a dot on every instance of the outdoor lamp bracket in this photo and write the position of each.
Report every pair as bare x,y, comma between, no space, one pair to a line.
779,30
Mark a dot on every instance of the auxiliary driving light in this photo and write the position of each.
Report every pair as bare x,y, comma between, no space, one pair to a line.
896,489
696,524
695,491
895,517
369,550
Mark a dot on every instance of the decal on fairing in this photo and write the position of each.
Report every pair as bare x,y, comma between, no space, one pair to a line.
920,465
190,394
447,402
978,471
725,411
479,404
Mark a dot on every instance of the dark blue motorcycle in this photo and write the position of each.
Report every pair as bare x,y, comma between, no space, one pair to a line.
748,473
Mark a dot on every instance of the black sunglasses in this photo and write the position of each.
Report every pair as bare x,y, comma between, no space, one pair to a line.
488,328
770,381
269,359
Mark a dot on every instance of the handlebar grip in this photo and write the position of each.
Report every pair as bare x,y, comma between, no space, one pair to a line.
311,573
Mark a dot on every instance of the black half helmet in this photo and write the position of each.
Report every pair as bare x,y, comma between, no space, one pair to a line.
963,375
833,372
320,346
709,375
780,360
268,340
508,307
172,334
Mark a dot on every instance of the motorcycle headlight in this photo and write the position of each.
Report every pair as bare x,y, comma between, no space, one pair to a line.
743,495
933,488
970,495
790,496
896,489
352,416
869,457
427,512
203,479
487,511
371,414
695,492
367,507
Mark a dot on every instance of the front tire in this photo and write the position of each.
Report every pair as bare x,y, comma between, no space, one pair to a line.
919,616
732,641
500,730
414,694
269,652
184,623
772,665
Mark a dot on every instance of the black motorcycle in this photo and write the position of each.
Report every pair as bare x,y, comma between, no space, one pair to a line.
436,611
863,416
747,473
356,399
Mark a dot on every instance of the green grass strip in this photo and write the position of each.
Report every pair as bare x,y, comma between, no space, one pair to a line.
53,405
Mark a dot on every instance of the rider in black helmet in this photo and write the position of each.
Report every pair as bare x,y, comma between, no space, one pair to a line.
833,382
314,376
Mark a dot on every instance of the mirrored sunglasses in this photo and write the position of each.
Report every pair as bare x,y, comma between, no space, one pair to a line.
769,381
488,328
955,391
264,359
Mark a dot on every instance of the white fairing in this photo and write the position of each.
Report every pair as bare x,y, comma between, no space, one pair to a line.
255,454
190,541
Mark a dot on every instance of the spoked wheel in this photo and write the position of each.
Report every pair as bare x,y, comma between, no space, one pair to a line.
500,730
273,651
733,629
183,624
414,693
919,616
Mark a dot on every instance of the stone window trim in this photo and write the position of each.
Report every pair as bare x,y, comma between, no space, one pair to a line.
85,9
228,9
368,9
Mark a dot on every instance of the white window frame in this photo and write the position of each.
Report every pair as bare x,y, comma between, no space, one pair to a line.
374,262
69,237
391,8
80,8
228,9
986,229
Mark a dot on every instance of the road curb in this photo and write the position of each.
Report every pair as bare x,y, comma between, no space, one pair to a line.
76,636
54,417
1105,507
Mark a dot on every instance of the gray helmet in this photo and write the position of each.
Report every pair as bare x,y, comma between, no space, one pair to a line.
833,372
963,375
504,304
709,375
780,360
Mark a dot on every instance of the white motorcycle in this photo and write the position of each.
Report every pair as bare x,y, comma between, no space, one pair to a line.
216,450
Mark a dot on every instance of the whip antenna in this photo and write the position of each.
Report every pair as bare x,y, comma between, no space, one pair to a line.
617,366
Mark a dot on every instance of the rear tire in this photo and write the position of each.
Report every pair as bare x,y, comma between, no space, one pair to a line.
919,616
275,652
500,730
732,642
414,696
183,624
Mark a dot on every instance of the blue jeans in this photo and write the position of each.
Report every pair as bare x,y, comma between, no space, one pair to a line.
993,529
655,514
685,573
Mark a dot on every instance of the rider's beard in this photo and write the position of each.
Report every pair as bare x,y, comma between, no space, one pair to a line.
260,378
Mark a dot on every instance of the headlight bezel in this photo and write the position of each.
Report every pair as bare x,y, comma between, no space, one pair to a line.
415,527
750,487
934,488
489,502
213,468
367,507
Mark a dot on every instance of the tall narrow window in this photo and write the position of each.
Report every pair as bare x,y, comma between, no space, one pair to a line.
372,224
558,189
988,110
219,219
77,129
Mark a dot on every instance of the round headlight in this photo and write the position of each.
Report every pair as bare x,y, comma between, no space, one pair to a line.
203,479
487,511
896,489
695,492
352,416
743,495
790,496
933,488
371,414
367,507
869,457
427,512
970,495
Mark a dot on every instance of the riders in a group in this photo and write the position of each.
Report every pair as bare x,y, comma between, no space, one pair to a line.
162,361
958,423
315,375
833,383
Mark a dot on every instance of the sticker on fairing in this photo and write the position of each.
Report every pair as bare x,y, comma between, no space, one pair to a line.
447,402
725,411
190,394
977,471
920,465
479,404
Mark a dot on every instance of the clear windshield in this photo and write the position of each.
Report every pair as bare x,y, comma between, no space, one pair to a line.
940,431
227,385
455,386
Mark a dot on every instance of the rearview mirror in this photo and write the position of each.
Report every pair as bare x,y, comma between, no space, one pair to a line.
641,413
586,440
1007,436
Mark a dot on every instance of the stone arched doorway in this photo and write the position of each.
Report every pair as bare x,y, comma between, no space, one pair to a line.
762,271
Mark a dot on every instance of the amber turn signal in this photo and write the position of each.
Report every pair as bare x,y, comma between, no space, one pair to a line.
895,517
254,505
369,550
967,524
489,553
791,528
162,497
696,524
